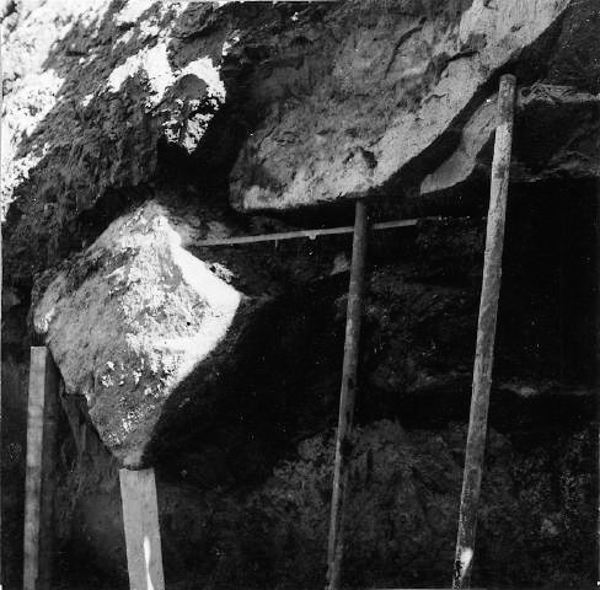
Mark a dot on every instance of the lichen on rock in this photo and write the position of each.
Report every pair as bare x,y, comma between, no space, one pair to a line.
396,94
129,320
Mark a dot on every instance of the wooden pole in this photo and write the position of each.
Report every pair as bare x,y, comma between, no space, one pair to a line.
597,226
347,396
1,291
311,234
486,333
42,418
49,463
142,531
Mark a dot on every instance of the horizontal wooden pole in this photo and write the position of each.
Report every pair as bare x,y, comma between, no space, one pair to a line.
310,234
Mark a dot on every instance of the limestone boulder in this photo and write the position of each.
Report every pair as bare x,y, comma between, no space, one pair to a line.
284,104
86,102
136,319
402,81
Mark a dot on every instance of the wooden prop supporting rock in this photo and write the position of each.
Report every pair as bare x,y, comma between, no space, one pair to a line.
142,531
42,420
486,334
347,396
598,395
1,285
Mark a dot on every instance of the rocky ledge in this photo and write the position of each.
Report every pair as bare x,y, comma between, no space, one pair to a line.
135,130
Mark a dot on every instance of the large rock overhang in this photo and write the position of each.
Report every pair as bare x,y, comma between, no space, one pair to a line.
342,100
399,95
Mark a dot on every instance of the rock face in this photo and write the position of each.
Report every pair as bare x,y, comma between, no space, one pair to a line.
540,153
134,129
86,108
130,319
396,90
334,100
402,507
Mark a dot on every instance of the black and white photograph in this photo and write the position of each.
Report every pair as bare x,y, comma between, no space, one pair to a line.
299,294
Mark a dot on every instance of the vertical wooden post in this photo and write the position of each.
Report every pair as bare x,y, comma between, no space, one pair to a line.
597,226
142,531
486,334
1,291
42,418
347,396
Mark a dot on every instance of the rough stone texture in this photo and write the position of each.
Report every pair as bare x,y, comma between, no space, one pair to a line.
113,104
87,101
328,101
540,152
536,520
245,502
397,88
131,318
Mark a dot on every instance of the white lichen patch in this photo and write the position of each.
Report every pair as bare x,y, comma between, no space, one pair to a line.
38,95
125,38
205,69
146,315
36,87
132,11
31,101
153,65
106,381
85,101
230,43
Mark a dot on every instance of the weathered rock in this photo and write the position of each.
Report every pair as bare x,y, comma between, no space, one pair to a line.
329,101
397,88
85,107
557,135
538,505
131,318
140,99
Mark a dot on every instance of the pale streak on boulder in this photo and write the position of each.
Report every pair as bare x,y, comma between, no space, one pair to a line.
302,156
129,319
541,152
461,165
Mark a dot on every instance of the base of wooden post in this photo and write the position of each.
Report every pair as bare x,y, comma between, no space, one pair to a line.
142,530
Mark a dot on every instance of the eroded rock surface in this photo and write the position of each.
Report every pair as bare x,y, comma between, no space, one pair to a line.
540,152
87,102
314,105
134,128
130,319
395,92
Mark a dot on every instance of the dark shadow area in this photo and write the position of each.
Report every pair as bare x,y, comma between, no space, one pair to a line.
285,388
277,391
548,311
224,433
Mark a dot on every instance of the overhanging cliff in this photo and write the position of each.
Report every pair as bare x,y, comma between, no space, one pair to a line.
134,130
